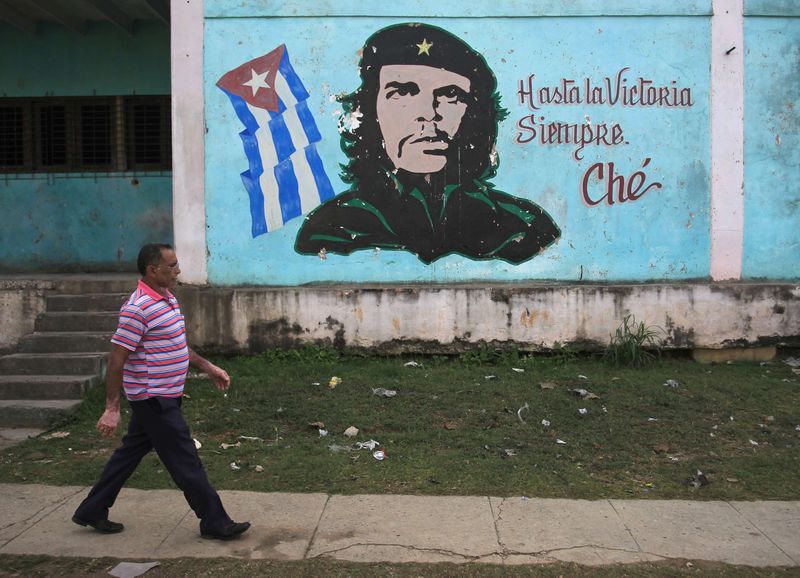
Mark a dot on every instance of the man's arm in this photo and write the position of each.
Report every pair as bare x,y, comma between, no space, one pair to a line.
218,375
109,422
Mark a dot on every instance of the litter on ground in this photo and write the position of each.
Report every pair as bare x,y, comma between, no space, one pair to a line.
370,445
585,394
698,480
56,435
131,569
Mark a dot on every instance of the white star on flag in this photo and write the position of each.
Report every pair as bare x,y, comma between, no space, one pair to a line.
257,81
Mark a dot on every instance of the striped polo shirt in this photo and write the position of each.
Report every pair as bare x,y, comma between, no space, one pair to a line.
151,327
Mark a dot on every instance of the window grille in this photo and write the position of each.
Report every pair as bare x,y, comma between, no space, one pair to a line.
85,134
52,133
149,142
12,139
96,136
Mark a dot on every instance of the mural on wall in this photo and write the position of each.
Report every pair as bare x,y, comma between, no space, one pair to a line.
595,167
285,177
420,136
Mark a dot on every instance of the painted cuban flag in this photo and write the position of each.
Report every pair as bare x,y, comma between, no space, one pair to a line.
285,177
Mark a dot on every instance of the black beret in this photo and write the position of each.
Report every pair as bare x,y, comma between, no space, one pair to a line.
422,44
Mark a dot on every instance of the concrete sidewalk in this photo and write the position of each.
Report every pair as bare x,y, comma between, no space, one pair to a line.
400,528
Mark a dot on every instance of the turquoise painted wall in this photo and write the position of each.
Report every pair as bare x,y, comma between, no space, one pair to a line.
772,143
664,235
70,224
104,61
89,222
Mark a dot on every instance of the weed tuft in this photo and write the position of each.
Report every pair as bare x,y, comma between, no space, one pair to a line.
563,353
485,355
634,344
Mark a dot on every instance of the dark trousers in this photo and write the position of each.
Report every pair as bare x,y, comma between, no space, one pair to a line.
157,423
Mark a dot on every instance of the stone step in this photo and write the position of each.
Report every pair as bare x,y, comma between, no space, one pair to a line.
65,342
33,413
96,283
76,321
54,364
109,302
46,386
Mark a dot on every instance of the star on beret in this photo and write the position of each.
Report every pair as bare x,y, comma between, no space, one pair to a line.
424,47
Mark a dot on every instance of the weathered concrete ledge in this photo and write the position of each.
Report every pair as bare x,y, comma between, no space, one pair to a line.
445,318
453,318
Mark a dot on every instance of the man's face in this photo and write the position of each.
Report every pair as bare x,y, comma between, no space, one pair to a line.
419,111
167,271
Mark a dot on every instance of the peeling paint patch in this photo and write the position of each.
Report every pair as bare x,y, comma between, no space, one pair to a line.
528,318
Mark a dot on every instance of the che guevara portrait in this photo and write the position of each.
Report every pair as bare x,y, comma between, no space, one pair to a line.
421,154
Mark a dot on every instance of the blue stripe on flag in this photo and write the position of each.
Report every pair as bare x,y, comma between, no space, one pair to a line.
251,178
259,220
284,146
309,126
288,190
324,188
295,84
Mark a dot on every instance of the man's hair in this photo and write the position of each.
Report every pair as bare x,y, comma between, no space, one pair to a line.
472,155
150,254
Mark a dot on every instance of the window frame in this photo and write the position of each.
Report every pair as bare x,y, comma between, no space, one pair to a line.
121,135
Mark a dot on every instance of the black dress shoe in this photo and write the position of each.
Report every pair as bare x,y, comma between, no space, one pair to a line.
228,532
102,526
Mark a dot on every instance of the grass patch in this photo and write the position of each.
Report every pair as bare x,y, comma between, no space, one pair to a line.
634,344
453,429
48,567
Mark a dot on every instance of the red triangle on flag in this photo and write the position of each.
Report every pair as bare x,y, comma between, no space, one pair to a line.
254,81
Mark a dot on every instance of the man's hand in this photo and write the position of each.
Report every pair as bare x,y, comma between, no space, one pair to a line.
219,376
108,423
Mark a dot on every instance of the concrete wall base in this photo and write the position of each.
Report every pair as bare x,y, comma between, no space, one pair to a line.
451,319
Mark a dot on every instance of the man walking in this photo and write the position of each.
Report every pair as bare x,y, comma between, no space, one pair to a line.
149,359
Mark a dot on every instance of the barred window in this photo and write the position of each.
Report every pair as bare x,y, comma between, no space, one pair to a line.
148,121
12,136
85,134
52,133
